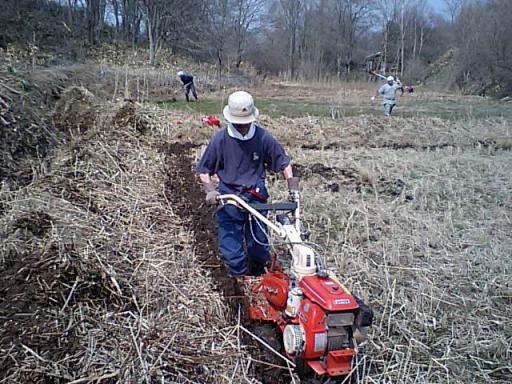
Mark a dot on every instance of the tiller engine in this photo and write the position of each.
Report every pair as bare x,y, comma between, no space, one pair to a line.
321,322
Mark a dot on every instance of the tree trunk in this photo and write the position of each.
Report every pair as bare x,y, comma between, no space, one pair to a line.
421,40
219,66
152,26
415,39
240,48
93,20
385,58
115,8
291,53
153,43
135,31
71,11
402,41
292,11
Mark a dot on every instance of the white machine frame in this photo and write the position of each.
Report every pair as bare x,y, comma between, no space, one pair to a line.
303,256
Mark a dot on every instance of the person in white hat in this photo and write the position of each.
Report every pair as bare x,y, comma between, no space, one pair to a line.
388,92
187,81
240,154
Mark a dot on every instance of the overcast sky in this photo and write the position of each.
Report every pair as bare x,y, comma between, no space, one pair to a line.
437,5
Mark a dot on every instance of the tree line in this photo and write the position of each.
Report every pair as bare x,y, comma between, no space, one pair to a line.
307,39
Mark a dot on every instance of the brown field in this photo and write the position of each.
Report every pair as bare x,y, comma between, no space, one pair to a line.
108,261
421,230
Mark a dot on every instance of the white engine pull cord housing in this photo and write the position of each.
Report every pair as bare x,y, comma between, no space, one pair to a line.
293,339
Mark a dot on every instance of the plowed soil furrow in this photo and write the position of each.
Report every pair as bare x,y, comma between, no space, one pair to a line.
486,143
186,197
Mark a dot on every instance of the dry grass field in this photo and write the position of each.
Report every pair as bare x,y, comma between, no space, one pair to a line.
424,233
108,268
414,211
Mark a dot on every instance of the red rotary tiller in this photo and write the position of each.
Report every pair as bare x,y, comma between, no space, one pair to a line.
320,322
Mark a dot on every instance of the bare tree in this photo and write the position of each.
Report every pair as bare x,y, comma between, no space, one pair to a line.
218,31
309,39
116,11
417,13
386,9
246,13
93,16
153,12
350,17
453,7
131,19
160,15
291,11
400,56
484,47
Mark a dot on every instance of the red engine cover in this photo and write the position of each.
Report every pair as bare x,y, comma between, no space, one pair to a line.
312,318
327,293
275,288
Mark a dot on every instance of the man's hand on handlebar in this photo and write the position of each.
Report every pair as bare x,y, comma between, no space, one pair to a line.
293,184
293,188
211,198
211,193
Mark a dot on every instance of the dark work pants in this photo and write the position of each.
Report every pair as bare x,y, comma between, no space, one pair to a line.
236,237
388,108
190,87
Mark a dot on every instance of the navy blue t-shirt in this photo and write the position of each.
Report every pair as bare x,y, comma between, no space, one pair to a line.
238,162
186,78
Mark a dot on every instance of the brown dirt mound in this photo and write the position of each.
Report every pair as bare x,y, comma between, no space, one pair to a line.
76,111
127,117
336,178
99,278
40,281
25,131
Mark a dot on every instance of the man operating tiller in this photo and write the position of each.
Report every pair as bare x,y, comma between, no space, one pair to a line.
239,155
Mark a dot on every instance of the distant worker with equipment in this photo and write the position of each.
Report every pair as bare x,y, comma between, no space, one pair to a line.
187,81
240,154
388,92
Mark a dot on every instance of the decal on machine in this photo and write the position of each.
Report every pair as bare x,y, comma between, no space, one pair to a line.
341,301
320,341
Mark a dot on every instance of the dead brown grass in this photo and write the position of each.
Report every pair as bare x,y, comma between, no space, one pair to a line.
422,133
427,243
99,281
99,273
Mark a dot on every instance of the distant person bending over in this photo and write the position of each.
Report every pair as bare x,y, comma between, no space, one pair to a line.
388,92
187,81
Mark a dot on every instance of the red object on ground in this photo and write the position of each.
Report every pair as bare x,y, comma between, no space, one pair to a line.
179,121
211,121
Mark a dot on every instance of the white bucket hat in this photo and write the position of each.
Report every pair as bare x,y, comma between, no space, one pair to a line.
390,78
240,108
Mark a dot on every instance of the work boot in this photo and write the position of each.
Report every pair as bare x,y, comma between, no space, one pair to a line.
238,279
238,285
256,269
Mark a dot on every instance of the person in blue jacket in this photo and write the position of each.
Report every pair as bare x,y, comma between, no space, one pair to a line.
240,154
187,81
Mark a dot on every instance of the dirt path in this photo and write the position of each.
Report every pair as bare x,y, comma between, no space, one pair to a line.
186,197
